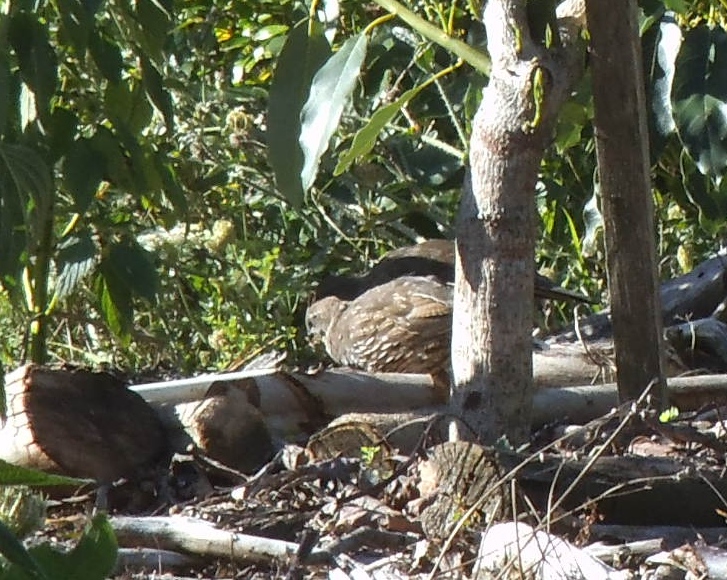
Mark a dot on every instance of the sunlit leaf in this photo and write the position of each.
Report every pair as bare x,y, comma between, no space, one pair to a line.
76,259
114,303
299,60
15,475
593,220
365,138
330,91
699,97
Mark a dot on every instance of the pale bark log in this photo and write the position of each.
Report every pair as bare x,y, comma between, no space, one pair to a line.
493,299
623,160
202,538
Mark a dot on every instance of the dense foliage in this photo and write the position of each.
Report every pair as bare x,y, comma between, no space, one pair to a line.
145,220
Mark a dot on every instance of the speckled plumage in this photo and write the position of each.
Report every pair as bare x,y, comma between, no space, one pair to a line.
400,326
398,316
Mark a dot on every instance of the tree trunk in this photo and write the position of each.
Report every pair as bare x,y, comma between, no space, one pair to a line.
623,162
493,301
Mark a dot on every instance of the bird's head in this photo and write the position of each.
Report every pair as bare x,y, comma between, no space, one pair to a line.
322,314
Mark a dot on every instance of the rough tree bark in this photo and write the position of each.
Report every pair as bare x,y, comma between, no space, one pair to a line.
493,304
623,161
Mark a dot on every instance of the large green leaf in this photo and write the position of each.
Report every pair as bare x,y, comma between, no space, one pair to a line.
126,104
12,226
699,97
36,57
299,60
77,23
94,557
82,173
116,165
702,191
12,549
154,87
61,128
329,93
127,271
14,475
27,172
155,23
5,85
114,302
107,56
134,268
172,188
76,259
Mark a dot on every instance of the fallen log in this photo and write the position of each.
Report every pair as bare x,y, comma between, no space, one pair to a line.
238,423
201,538
80,423
694,295
621,489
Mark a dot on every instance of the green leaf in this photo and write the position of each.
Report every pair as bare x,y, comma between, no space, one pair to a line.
12,225
299,60
82,173
37,60
14,475
107,57
126,271
5,86
710,199
154,87
114,303
117,167
128,106
172,189
76,259
26,170
95,555
155,24
699,97
365,138
76,24
61,129
329,93
15,552
93,558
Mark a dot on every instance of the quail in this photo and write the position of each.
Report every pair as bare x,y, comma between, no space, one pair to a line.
398,316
